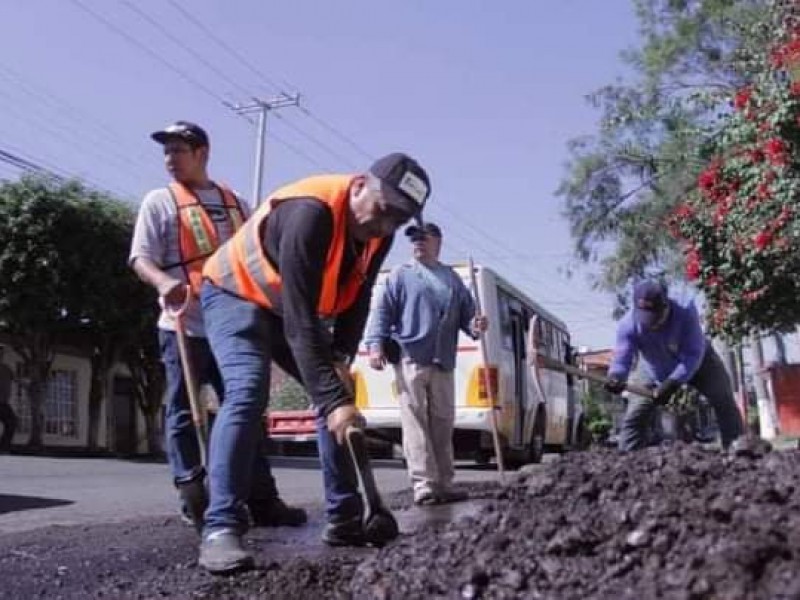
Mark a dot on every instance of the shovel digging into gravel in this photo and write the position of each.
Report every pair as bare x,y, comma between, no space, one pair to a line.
380,526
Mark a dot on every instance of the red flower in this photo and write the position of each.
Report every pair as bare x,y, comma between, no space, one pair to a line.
775,150
763,191
692,264
756,156
754,295
762,239
684,211
794,89
742,98
708,179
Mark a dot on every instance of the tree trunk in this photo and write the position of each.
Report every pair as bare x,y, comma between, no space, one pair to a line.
102,360
37,360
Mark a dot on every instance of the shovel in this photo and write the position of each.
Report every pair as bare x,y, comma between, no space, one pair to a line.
198,411
552,364
380,526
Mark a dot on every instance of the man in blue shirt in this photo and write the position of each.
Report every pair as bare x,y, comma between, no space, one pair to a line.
672,351
423,306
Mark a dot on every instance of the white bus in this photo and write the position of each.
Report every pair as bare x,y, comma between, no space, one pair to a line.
536,408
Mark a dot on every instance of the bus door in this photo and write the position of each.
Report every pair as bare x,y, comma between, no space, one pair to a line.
520,384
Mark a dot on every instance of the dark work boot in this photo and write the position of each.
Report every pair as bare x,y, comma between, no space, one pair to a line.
194,498
275,513
344,532
222,552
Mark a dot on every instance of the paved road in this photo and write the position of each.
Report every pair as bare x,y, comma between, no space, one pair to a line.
37,492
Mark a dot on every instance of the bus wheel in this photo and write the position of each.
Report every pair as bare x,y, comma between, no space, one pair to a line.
536,445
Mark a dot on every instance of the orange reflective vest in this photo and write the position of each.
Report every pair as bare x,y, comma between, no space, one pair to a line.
241,266
197,236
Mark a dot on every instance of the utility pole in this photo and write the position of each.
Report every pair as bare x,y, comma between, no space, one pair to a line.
262,107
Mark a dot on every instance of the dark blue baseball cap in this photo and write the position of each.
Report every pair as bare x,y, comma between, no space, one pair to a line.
650,301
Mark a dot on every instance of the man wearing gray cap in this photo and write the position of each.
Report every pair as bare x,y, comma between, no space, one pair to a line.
177,228
672,349
293,286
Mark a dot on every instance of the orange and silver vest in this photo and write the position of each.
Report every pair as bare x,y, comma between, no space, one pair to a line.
197,236
241,266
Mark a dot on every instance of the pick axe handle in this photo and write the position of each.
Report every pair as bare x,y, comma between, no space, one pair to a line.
552,364
190,380
487,380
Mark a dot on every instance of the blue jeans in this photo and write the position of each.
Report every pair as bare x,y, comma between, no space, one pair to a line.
711,380
183,452
245,339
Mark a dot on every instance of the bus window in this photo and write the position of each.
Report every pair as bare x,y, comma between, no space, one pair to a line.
504,315
548,340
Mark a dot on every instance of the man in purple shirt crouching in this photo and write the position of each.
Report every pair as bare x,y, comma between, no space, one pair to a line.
672,351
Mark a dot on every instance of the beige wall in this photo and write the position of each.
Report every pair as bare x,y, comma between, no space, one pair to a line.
81,366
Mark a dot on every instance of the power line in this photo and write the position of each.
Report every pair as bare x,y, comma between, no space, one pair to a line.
197,56
266,80
222,44
154,55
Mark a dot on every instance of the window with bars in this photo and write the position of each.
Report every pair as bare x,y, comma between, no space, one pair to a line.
60,406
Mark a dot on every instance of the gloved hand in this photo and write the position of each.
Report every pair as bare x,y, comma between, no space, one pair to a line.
614,386
343,417
665,391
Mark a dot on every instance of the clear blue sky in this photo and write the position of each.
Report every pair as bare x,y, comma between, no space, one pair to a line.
485,95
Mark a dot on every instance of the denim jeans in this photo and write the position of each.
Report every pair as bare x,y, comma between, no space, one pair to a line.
711,380
183,452
245,339
181,440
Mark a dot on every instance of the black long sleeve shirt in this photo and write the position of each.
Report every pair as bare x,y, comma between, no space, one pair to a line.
296,240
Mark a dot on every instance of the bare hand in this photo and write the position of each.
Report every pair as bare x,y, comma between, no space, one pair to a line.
173,293
480,323
377,359
343,417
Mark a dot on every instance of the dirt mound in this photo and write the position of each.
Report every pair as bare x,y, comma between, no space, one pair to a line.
682,522
679,522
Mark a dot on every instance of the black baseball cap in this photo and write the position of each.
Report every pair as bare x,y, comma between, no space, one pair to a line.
649,302
191,133
404,183
416,232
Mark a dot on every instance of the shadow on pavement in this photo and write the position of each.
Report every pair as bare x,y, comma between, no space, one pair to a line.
10,503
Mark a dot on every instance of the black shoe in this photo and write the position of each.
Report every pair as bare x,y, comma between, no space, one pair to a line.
451,495
349,532
222,552
194,498
275,513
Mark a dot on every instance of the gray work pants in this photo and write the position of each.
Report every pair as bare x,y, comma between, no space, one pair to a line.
711,380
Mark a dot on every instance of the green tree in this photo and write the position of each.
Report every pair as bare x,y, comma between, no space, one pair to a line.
41,228
623,182
110,301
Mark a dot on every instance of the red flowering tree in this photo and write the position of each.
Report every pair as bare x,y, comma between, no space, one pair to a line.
741,224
